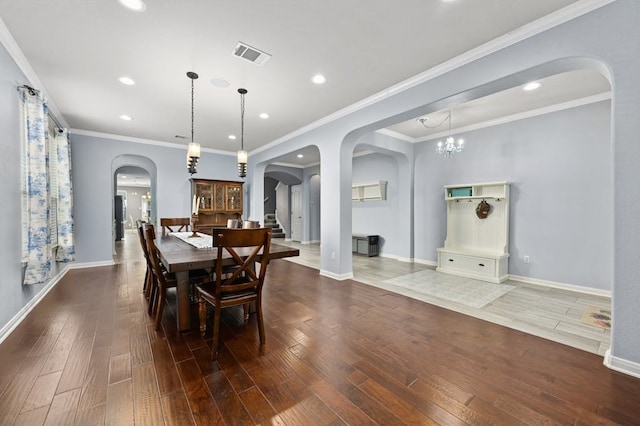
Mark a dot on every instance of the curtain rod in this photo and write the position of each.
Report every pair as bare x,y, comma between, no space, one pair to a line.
34,92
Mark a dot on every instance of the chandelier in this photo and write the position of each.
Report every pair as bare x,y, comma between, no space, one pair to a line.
193,153
449,147
242,154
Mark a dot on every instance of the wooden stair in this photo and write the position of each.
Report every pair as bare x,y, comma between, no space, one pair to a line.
270,221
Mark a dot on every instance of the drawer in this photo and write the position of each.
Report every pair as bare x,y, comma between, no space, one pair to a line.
474,264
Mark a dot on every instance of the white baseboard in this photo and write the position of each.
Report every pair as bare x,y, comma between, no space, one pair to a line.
426,262
22,313
311,242
339,277
561,286
621,365
91,264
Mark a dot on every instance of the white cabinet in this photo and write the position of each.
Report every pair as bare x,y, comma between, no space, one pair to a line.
476,247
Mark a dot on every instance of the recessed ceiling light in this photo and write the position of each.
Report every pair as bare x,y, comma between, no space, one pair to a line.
127,81
123,176
125,117
300,156
264,115
219,82
532,86
319,79
135,5
232,137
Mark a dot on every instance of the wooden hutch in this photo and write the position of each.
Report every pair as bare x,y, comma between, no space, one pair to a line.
220,200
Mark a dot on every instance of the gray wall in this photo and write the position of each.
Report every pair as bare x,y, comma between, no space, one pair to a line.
13,295
378,217
559,168
270,193
93,157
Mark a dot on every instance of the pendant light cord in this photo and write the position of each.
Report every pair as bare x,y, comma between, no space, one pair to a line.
242,120
192,111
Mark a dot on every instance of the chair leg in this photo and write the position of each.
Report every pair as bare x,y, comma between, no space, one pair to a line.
245,308
202,313
260,321
216,333
160,307
153,297
146,282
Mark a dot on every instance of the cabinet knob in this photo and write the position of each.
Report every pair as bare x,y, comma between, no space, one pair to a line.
481,264
450,260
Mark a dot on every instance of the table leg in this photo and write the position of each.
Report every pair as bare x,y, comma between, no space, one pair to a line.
183,310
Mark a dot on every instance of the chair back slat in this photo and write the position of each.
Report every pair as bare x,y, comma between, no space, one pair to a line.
154,258
244,277
174,224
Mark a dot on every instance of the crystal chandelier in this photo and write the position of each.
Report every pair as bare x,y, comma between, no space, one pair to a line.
449,147
193,153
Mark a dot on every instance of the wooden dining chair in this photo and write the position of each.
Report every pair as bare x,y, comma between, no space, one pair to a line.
174,224
163,280
148,276
241,287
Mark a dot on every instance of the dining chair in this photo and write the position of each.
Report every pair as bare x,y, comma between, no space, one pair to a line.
174,224
244,285
148,275
163,280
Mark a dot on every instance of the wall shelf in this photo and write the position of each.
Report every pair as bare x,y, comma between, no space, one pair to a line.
369,191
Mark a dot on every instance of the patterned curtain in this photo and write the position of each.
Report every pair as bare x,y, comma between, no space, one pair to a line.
35,187
66,248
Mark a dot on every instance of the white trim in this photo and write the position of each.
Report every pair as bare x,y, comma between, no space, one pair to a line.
22,313
311,242
561,286
144,141
91,264
621,365
394,134
426,262
531,29
396,257
521,115
21,61
339,277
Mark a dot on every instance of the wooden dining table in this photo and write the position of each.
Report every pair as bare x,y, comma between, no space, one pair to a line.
180,257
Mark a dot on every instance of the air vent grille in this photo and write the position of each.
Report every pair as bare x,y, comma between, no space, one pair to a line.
251,54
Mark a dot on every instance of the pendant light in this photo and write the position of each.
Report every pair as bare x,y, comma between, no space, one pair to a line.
193,153
242,154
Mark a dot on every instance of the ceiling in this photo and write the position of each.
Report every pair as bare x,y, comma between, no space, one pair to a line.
78,49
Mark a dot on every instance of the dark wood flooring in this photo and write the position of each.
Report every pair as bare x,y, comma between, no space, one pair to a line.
336,353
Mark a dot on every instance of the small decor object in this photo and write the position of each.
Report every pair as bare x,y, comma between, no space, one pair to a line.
483,209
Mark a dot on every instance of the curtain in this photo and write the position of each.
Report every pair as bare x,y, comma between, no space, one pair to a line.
35,187
66,247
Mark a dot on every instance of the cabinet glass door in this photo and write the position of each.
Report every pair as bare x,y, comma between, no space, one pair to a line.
205,192
234,198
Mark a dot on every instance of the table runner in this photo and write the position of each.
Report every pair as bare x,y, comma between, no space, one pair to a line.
202,241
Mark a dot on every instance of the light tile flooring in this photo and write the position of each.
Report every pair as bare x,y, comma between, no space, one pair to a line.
549,313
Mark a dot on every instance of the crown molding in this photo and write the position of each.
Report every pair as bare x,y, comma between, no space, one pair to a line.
145,141
18,57
531,29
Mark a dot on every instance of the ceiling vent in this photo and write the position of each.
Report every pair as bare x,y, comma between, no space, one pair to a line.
251,54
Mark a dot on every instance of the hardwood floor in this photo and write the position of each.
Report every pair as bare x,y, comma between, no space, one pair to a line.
552,313
336,353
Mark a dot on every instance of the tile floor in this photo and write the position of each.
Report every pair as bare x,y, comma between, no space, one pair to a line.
550,313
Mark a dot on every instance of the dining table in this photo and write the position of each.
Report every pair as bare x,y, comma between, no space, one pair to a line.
179,257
